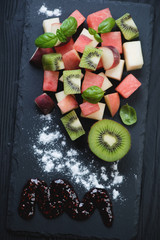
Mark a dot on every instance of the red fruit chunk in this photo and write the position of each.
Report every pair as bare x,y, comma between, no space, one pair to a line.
71,60
81,42
36,59
89,108
91,79
128,86
112,39
100,64
113,102
50,82
94,19
45,103
79,17
65,47
67,104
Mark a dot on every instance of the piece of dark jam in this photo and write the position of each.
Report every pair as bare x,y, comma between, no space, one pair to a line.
60,196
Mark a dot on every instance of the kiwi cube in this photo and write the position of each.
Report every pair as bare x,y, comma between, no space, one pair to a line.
52,62
72,81
72,125
127,27
90,58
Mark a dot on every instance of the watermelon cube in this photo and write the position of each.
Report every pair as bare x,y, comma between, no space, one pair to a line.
98,115
112,39
50,82
67,104
79,17
94,19
65,47
36,58
71,60
89,108
91,79
113,102
44,103
128,86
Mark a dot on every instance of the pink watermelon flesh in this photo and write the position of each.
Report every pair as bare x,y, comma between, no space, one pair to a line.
128,86
81,42
71,60
94,19
67,104
89,108
113,102
79,17
91,79
112,39
36,59
44,103
65,47
50,82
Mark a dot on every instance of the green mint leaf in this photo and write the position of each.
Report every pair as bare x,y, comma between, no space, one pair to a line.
69,27
61,36
97,37
93,94
128,114
106,25
92,31
46,40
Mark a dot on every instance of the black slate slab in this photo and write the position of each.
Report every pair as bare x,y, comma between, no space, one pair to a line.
28,123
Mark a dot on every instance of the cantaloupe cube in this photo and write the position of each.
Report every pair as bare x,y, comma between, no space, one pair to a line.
133,55
97,115
48,22
106,83
116,72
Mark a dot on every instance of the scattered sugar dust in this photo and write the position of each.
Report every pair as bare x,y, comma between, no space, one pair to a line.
53,155
49,13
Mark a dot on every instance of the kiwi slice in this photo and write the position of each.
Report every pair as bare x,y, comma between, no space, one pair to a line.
72,81
90,58
127,27
52,62
109,140
72,125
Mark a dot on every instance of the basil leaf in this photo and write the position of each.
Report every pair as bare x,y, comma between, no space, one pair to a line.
98,38
46,40
61,36
106,25
69,27
93,94
92,31
128,114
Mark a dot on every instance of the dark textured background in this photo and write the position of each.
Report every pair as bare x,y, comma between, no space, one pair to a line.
11,22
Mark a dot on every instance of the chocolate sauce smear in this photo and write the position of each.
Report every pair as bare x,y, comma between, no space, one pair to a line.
60,196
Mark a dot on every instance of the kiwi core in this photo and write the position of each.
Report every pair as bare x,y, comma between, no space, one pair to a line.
109,139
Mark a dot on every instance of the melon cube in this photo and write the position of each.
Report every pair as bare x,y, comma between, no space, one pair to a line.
113,102
116,72
128,86
88,108
96,115
71,60
47,23
91,79
106,83
60,96
79,17
67,104
54,27
65,47
50,82
112,39
133,55
94,19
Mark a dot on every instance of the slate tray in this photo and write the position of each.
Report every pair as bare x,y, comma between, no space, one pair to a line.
24,163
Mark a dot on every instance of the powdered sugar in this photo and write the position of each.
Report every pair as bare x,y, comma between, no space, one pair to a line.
49,13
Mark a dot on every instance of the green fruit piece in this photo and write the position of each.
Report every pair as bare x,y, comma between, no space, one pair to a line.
72,81
128,115
127,27
73,125
93,94
52,62
109,140
90,58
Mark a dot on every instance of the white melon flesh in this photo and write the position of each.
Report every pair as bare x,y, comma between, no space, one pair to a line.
116,73
86,33
106,83
48,22
54,27
97,115
60,96
133,55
